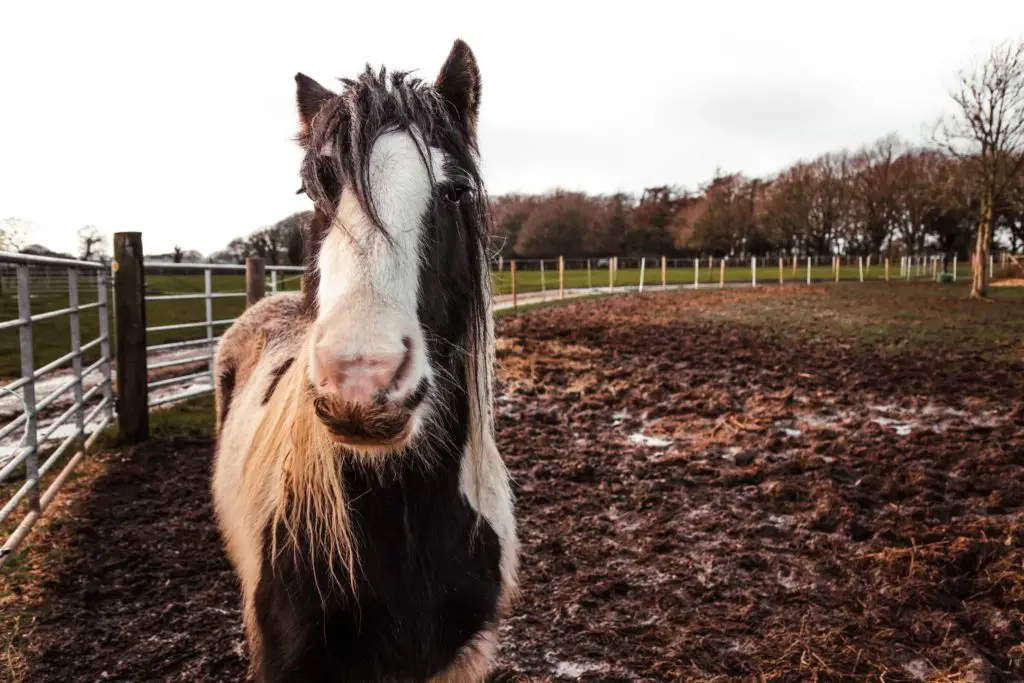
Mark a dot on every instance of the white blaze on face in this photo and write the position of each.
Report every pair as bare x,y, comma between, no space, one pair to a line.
369,281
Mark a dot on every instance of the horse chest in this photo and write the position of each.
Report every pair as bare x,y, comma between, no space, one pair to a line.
428,581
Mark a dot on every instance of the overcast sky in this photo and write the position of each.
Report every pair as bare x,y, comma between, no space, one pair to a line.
178,120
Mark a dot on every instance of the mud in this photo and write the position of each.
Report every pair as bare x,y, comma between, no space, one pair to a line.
697,501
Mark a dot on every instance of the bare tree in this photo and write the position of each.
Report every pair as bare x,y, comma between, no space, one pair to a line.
178,254
13,233
875,188
987,135
239,249
91,243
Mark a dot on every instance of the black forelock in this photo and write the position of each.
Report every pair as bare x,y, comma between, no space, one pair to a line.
369,106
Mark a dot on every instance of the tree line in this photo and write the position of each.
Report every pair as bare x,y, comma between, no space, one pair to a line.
961,192
887,196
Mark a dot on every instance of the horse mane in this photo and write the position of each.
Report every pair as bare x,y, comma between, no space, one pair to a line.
294,456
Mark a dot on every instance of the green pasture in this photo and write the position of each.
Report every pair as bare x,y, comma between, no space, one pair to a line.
52,338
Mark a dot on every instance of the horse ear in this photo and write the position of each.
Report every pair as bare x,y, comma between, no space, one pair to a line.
311,97
459,84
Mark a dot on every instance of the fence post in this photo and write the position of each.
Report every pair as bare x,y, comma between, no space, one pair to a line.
255,284
611,274
991,266
561,277
101,295
643,264
28,394
780,271
543,284
664,280
753,271
130,321
886,268
512,270
721,274
208,288
590,281
808,270
837,263
954,267
860,267
75,323
696,273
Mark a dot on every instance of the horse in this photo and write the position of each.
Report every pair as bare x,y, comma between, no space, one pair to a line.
356,483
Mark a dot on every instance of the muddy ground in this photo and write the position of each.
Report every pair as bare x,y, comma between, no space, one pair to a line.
699,499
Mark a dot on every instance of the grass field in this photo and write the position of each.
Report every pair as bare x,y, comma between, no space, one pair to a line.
51,338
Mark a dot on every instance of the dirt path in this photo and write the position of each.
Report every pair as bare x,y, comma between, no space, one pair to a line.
697,502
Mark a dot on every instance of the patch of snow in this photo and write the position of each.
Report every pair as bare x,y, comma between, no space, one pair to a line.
918,669
644,440
902,428
781,521
575,670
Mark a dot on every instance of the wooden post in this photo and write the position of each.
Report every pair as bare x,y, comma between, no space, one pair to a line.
721,274
696,273
611,274
808,270
753,271
561,277
643,265
886,268
512,270
664,279
991,267
954,267
543,284
838,265
860,267
255,286
590,281
130,322
781,281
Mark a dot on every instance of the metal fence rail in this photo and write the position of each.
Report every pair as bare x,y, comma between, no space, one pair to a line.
164,356
41,447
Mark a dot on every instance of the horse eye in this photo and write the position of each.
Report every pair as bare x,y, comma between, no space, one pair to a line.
453,193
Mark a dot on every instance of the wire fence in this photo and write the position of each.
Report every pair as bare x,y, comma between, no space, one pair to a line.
53,426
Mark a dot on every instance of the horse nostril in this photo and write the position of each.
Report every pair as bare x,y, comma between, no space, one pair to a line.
403,367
